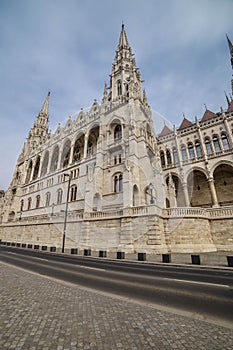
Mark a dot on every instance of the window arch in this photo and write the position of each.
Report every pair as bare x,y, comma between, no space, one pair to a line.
119,88
208,146
29,172
29,203
216,144
184,153
45,162
54,161
78,149
73,193
225,142
66,154
118,132
59,196
47,199
169,158
90,149
162,159
175,155
36,169
198,148
191,151
135,195
118,183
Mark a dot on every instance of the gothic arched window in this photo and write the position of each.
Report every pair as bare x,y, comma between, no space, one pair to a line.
118,183
29,172
37,201
117,132
45,162
66,154
184,153
208,146
36,169
175,155
225,142
29,203
198,148
73,193
119,88
47,199
54,161
59,196
162,159
191,151
216,144
169,158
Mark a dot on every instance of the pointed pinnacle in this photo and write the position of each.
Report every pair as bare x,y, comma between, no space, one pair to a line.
45,107
227,98
123,38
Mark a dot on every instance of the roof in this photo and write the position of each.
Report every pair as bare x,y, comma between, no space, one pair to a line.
185,124
165,131
230,108
208,115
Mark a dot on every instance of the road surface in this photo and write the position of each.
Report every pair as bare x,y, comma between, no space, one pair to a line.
205,293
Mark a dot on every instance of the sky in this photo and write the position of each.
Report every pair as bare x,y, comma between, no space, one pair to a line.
68,47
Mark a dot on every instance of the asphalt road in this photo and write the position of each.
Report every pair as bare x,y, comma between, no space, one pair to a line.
206,293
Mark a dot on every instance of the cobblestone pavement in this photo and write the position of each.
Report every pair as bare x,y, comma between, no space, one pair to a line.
40,313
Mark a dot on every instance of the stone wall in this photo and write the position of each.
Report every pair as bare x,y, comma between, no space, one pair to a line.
139,233
222,233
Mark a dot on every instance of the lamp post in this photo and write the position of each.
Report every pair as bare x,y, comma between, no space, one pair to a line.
66,211
150,187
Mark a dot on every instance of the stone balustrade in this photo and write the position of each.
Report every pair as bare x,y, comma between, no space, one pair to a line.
145,210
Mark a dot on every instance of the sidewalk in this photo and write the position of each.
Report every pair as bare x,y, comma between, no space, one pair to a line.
39,313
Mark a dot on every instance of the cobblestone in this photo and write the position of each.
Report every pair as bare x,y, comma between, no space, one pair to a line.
38,313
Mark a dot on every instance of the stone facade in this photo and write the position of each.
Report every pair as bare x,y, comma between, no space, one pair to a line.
109,183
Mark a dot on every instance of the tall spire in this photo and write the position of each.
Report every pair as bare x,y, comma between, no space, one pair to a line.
45,107
123,42
231,53
231,50
125,82
40,129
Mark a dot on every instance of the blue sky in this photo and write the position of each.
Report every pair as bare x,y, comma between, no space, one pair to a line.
68,47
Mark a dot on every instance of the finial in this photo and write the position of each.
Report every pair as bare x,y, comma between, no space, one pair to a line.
205,107
227,98
49,93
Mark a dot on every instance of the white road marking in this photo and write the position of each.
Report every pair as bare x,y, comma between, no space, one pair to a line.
196,282
35,257
91,268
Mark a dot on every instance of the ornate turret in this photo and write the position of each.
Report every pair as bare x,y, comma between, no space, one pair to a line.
39,131
125,80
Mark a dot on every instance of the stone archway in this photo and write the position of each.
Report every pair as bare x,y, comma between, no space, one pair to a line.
198,189
223,180
135,196
179,193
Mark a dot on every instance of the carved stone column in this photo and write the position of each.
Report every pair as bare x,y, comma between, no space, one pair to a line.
213,193
85,145
186,195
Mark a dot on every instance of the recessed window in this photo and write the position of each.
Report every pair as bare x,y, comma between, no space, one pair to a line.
118,132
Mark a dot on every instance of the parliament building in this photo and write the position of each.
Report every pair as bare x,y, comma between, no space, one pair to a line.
107,182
